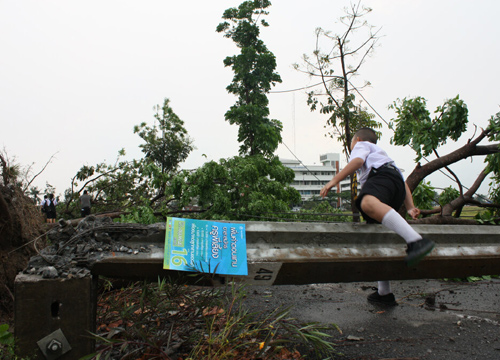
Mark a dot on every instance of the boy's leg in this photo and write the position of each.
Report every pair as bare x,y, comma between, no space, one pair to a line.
389,217
418,247
383,295
384,287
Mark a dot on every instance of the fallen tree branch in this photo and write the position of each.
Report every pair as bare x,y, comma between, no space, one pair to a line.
470,149
467,197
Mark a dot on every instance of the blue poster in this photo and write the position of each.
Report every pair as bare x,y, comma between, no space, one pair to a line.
205,246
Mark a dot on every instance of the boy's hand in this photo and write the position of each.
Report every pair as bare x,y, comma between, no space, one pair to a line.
326,188
414,213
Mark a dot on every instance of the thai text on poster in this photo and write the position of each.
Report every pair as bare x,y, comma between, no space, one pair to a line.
205,246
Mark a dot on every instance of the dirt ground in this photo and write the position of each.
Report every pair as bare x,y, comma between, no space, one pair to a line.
435,320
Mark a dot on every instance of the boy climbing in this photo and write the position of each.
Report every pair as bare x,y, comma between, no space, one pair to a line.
383,191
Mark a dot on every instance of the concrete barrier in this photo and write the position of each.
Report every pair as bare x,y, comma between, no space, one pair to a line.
278,254
306,253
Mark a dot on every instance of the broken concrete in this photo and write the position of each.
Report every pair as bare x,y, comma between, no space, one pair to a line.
74,251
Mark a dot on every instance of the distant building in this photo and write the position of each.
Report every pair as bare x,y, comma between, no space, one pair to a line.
310,179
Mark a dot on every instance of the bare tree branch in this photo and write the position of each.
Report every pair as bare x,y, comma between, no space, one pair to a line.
457,180
41,171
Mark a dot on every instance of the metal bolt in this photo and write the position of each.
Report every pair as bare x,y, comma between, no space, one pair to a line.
54,346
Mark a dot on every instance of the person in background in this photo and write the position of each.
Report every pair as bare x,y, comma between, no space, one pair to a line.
85,204
50,209
43,208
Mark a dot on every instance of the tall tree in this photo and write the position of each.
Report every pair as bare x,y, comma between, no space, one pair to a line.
254,74
335,68
254,184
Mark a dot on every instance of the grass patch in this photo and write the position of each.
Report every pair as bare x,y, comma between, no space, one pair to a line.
472,278
471,211
173,321
7,350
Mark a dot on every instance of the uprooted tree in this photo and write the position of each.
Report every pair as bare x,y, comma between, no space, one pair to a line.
20,224
415,127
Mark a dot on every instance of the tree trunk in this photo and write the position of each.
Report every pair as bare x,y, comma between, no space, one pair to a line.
354,195
443,220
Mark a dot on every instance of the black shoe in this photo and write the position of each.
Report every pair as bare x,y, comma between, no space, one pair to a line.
418,250
388,299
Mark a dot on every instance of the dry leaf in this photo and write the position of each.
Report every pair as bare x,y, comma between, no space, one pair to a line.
214,311
115,324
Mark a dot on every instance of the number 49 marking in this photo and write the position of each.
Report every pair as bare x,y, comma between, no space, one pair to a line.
264,277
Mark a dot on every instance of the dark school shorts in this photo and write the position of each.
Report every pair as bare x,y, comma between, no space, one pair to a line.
85,211
387,185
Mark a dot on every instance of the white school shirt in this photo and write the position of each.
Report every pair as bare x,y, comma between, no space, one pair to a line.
373,156
54,201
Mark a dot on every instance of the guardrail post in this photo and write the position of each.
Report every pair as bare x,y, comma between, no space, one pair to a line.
47,309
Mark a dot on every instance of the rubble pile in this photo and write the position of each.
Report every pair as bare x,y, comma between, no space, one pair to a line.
75,250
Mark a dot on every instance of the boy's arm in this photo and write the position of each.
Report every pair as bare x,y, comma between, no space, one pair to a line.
410,207
350,168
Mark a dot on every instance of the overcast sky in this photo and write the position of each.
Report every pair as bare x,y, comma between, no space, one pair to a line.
76,76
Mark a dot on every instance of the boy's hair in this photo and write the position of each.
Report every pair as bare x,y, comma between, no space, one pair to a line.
367,134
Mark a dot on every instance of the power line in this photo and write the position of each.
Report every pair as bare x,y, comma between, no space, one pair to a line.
300,161
371,107
302,88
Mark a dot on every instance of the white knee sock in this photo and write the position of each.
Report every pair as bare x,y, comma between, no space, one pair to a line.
384,288
395,222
